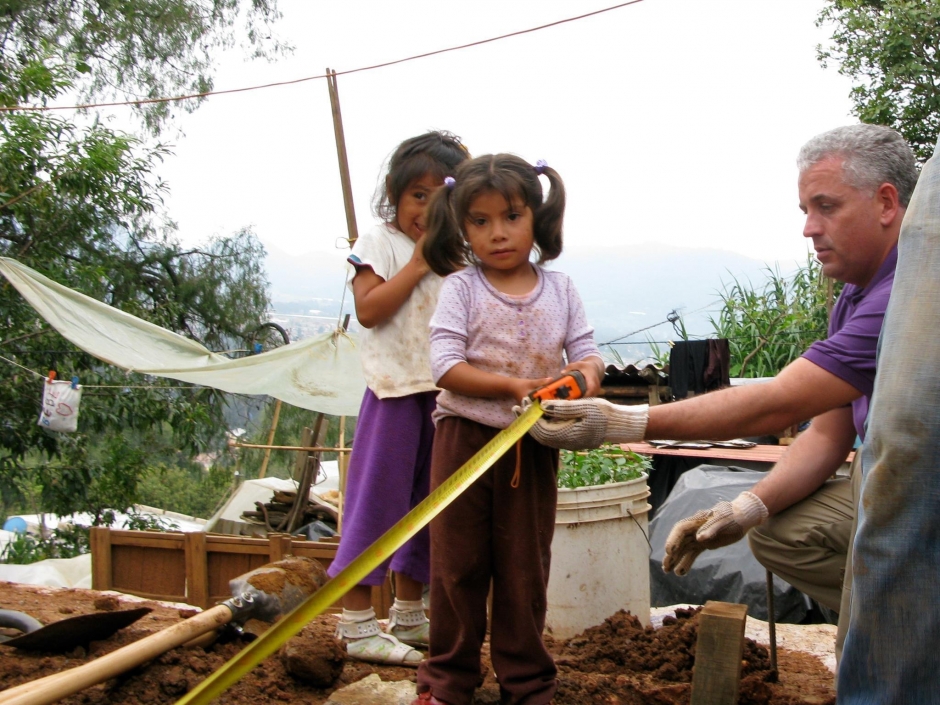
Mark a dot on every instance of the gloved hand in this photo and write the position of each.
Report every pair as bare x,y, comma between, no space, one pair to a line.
719,526
587,423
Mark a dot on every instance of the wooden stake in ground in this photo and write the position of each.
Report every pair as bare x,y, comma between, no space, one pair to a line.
718,652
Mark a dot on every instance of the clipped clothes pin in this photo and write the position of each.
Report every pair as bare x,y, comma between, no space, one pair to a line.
258,348
75,382
51,375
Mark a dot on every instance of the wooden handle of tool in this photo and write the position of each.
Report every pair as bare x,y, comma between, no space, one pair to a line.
51,688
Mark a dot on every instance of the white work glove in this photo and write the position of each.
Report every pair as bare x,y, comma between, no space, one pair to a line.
719,526
587,423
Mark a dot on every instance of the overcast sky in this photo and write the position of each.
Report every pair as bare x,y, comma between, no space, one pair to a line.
671,121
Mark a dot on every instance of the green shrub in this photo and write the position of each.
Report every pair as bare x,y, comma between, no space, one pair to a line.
67,542
600,466
191,490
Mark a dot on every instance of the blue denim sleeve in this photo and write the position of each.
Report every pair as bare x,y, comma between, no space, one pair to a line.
890,653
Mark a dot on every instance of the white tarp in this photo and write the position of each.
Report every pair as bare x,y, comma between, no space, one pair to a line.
52,572
321,373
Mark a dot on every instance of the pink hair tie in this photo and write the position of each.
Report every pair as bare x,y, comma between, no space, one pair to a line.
450,182
540,166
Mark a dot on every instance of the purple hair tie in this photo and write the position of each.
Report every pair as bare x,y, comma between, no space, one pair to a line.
450,182
540,166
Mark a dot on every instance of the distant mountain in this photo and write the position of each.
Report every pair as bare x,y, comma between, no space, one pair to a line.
307,276
624,289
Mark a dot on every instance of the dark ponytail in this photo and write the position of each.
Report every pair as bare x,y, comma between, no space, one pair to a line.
445,248
549,218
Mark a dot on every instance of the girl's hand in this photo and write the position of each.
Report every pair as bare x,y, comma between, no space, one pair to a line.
378,300
520,388
593,370
417,259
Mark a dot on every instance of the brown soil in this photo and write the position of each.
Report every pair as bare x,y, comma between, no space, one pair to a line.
617,662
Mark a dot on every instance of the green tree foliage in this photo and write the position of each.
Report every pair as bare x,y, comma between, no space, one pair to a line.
771,325
81,203
891,49
127,50
188,490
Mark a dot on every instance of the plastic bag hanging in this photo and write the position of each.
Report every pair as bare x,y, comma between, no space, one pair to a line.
60,400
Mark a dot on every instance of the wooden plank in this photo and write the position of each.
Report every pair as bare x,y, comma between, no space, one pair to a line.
100,543
140,570
214,540
279,546
164,566
151,539
197,570
718,652
262,549
759,453
222,567
640,391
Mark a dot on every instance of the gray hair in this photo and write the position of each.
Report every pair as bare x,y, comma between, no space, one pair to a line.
873,155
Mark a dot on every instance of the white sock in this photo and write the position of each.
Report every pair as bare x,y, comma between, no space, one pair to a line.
358,615
408,605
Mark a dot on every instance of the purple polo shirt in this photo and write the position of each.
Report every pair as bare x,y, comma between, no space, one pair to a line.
854,327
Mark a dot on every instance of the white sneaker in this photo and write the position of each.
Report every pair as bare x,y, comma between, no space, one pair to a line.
366,641
409,626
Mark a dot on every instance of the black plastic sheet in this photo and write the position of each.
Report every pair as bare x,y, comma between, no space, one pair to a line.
728,574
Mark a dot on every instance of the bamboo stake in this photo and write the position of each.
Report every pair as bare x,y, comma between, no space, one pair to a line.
341,156
267,452
312,449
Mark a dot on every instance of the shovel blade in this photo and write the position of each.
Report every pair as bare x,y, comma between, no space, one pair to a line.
70,632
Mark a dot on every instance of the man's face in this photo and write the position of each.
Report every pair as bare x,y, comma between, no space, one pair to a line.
844,223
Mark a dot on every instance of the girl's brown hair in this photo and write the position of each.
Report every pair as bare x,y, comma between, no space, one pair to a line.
436,153
446,248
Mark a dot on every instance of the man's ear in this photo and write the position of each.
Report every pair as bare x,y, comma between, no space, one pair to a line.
887,197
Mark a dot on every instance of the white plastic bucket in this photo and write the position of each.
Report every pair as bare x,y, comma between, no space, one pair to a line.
600,556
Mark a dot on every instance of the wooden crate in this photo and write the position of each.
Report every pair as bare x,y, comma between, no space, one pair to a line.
195,567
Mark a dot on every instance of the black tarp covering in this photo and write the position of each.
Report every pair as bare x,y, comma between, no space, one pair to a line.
729,574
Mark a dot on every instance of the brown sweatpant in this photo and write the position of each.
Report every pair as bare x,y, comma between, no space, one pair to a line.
492,532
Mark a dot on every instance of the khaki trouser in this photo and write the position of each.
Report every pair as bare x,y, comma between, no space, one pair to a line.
809,545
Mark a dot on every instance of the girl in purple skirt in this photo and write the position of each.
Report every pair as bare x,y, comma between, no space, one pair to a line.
389,468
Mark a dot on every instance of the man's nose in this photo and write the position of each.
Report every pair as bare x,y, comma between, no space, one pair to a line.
812,227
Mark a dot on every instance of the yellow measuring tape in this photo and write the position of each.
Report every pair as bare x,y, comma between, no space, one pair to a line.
365,563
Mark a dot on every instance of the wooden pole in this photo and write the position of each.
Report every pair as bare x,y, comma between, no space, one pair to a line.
771,620
267,452
311,449
341,156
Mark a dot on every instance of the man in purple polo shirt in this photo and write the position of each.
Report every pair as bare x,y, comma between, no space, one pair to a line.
854,186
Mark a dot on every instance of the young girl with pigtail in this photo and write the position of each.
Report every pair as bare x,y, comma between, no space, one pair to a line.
503,327
389,469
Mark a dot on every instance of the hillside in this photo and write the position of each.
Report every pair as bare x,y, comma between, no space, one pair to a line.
623,289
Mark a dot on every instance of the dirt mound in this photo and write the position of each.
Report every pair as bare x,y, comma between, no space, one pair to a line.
619,661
